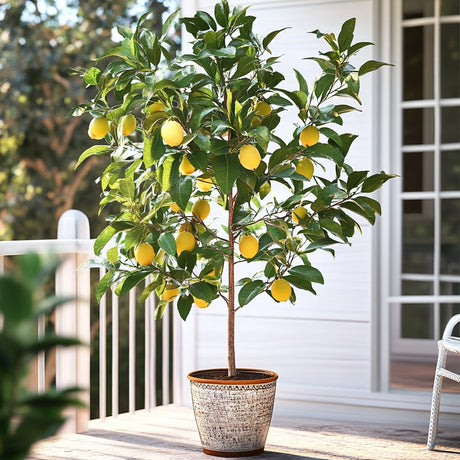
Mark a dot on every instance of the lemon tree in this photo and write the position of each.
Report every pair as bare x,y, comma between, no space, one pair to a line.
188,135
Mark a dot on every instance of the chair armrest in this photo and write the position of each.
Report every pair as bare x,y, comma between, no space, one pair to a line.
450,326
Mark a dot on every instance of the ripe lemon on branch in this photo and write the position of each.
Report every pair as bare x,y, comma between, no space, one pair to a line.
249,246
201,209
281,290
204,184
249,157
185,241
263,109
172,133
200,302
186,168
98,128
170,292
309,136
128,124
305,168
144,253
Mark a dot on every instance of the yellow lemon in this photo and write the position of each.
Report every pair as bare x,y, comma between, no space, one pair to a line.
174,207
249,157
172,133
263,109
128,124
201,209
157,106
204,184
98,128
200,302
249,246
170,292
281,290
309,136
185,241
305,168
186,168
144,253
299,213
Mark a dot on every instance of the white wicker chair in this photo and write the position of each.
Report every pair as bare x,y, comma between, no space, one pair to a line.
447,343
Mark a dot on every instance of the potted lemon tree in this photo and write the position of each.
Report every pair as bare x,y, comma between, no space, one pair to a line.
190,135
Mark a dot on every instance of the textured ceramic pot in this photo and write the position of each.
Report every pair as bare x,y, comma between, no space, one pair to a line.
233,416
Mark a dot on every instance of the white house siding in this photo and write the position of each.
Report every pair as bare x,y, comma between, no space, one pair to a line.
323,343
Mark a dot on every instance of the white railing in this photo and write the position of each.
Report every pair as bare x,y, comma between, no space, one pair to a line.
73,319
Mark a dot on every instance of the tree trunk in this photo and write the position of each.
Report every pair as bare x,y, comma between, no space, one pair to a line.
231,290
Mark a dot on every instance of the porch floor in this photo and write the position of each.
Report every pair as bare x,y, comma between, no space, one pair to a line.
169,432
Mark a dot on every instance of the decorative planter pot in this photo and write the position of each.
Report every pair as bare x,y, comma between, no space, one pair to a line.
233,416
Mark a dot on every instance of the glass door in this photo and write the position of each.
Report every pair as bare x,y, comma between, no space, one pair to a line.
426,274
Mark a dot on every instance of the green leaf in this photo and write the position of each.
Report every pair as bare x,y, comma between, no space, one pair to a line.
104,283
370,66
332,227
323,85
227,170
16,302
106,235
269,38
98,150
167,24
129,282
303,86
167,242
127,188
346,34
202,290
374,204
374,182
277,233
262,136
181,190
184,305
309,273
249,291
356,178
91,77
158,280
134,237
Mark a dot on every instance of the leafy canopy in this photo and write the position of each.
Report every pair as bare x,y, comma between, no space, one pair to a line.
225,94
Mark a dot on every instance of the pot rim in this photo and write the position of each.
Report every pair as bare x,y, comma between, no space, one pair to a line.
273,376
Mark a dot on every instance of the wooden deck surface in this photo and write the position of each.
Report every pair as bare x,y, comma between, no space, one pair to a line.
169,432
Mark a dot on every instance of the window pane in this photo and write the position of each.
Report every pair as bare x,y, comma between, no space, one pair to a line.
418,63
450,237
450,60
418,236
416,321
418,125
448,288
418,171
418,8
450,170
449,7
417,287
450,124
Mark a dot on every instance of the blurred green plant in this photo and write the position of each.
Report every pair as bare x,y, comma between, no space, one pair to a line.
27,417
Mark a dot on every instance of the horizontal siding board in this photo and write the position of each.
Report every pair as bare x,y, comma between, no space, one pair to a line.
320,353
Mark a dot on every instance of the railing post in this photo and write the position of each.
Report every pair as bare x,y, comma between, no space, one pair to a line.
73,318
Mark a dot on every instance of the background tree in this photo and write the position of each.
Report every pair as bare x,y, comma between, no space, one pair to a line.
40,44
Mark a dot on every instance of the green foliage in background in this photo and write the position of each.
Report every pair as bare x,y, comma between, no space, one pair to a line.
41,43
27,417
224,96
